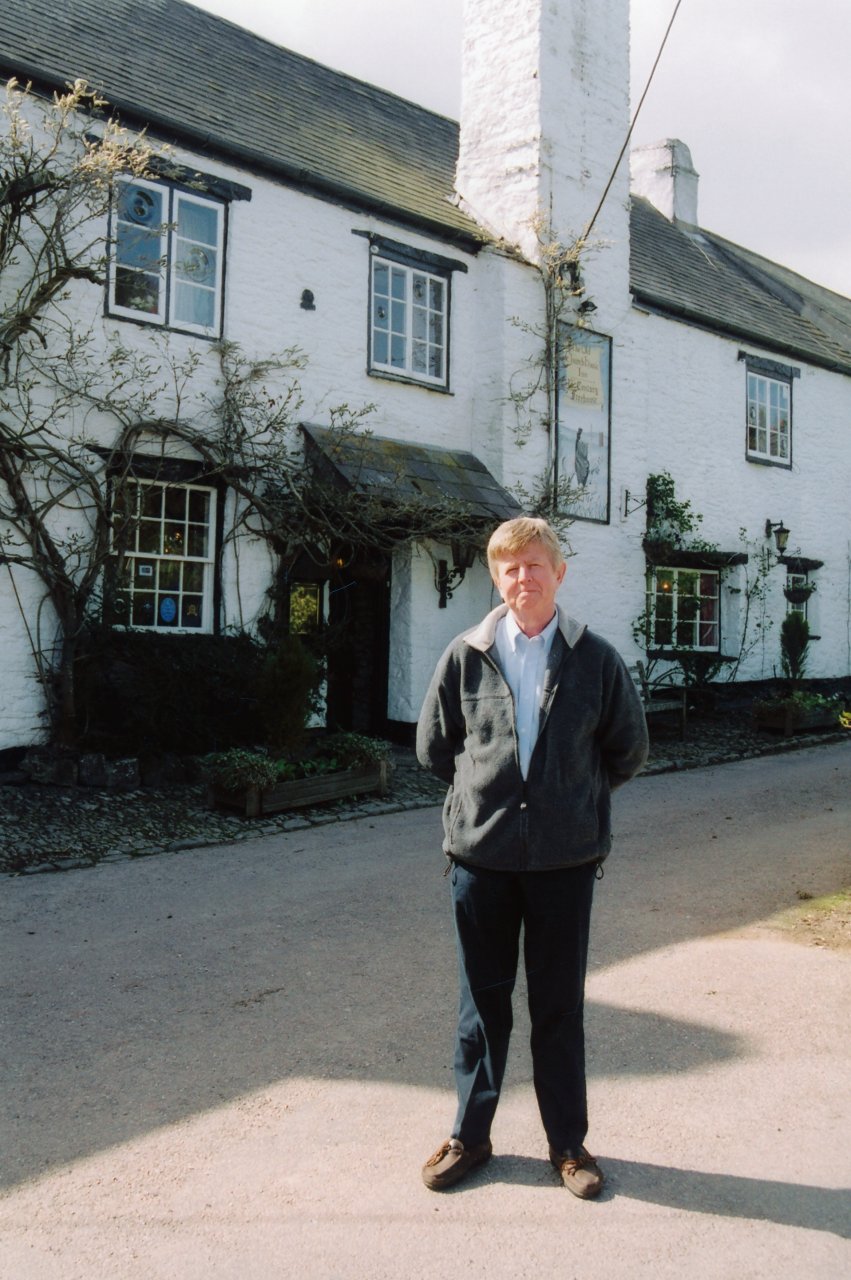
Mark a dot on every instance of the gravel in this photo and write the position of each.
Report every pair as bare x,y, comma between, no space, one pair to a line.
50,828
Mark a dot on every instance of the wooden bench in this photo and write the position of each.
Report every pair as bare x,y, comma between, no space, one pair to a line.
658,696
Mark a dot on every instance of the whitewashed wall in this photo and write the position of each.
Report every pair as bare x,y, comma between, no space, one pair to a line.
692,405
280,243
678,393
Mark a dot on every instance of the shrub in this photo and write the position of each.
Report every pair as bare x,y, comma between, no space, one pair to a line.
142,693
287,688
794,638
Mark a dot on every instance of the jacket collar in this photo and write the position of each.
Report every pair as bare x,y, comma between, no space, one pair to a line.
483,636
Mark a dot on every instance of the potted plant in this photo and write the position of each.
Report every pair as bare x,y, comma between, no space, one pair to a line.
799,594
256,783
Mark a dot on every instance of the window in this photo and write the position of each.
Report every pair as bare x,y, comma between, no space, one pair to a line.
769,419
409,318
683,609
167,253
164,581
797,593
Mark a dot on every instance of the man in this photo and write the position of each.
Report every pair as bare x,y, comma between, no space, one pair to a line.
532,720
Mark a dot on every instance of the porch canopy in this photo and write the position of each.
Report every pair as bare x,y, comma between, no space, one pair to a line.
423,475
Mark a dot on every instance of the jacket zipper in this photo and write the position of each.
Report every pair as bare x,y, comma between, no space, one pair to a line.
524,828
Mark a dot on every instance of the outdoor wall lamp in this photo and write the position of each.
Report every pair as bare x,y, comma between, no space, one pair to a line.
446,579
781,534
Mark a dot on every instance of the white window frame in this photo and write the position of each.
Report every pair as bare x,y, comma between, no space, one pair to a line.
171,254
405,325
793,581
660,575
145,566
769,418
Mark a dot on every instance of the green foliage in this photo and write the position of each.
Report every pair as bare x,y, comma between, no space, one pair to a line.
670,521
236,769
800,701
664,512
287,689
239,769
794,639
351,750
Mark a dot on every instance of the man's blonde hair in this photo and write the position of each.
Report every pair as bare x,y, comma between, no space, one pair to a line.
515,535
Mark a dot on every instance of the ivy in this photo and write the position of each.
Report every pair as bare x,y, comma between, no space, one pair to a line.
671,521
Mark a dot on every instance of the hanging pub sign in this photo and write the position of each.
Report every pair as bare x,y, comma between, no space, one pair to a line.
583,420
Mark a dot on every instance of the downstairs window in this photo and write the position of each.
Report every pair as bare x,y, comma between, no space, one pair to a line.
683,608
164,575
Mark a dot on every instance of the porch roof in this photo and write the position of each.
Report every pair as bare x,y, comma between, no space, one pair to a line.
418,472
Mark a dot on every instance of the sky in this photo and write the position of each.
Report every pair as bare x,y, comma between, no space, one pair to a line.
759,90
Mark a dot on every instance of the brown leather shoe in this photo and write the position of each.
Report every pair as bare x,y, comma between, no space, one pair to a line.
452,1161
582,1176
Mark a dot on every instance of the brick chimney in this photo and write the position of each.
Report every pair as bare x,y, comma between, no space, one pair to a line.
544,114
664,174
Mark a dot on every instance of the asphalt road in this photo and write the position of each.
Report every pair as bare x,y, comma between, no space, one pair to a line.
232,1062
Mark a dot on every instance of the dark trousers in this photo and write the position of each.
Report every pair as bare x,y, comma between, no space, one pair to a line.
554,908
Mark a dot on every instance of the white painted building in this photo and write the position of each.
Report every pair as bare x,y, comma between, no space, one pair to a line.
319,196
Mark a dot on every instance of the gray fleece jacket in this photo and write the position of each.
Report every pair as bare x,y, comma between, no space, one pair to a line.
593,738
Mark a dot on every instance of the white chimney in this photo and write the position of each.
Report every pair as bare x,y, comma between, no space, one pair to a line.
664,174
544,114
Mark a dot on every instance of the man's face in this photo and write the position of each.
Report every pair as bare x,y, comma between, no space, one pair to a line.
528,582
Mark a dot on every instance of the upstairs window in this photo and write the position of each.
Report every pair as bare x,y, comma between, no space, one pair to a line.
768,410
683,607
769,419
167,251
409,312
409,321
164,581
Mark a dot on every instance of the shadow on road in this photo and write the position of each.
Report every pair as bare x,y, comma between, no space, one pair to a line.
139,994
722,1195
789,1204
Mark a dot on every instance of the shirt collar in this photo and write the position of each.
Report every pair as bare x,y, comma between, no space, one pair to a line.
513,632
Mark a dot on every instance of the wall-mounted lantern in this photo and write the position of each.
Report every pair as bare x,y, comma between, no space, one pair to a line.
781,534
446,579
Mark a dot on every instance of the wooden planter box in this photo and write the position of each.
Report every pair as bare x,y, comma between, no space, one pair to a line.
300,793
789,720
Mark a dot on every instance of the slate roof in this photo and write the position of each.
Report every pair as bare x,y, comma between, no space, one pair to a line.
699,277
223,91
198,77
418,472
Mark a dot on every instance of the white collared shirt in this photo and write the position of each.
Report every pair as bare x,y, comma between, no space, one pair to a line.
524,664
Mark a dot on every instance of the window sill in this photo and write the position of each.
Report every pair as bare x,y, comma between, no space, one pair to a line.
406,380
120,318
783,464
